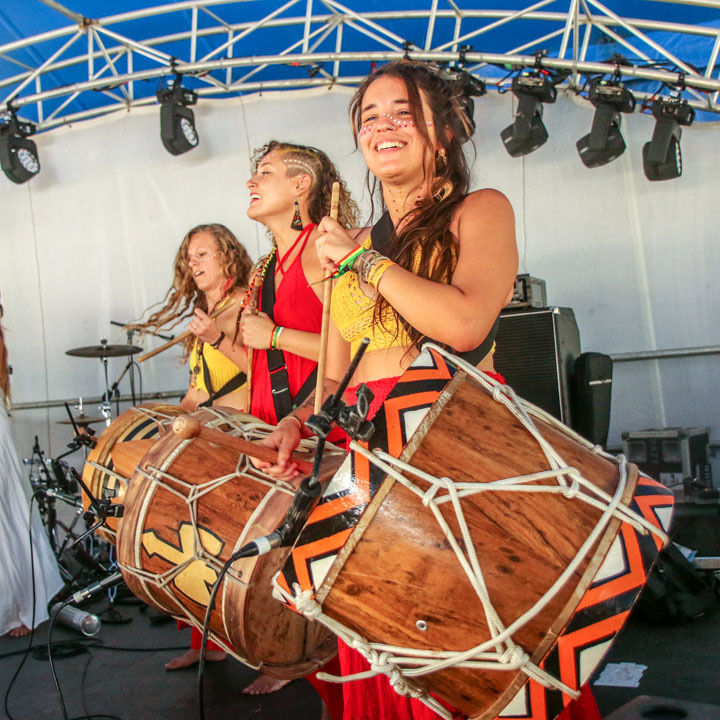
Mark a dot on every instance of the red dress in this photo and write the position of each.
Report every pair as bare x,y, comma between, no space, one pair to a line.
374,698
298,307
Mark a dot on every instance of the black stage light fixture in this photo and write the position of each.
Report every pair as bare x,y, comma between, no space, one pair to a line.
532,88
604,143
18,154
468,86
177,121
662,159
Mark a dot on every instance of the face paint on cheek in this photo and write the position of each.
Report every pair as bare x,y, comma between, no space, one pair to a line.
396,121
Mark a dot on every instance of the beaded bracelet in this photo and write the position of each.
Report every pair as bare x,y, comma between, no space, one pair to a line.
216,344
348,261
365,262
275,337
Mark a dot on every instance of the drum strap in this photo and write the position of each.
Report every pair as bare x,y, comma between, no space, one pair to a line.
232,384
383,234
283,400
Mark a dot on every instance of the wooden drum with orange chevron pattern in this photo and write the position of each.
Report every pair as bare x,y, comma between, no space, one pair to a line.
111,463
189,506
493,563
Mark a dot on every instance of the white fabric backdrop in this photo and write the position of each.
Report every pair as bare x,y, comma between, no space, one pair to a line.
92,238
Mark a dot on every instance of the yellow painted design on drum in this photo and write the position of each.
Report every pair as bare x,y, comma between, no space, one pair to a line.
195,580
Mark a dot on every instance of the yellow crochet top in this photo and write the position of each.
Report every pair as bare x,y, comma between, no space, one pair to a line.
220,368
352,313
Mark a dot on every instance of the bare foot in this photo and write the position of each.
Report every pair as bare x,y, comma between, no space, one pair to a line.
19,631
192,657
264,685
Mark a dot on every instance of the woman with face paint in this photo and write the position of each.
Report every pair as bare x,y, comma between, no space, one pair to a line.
440,264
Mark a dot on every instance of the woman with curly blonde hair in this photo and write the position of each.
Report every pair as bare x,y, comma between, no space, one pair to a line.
211,272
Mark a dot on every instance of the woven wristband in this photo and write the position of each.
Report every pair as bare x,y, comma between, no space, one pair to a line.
377,271
348,261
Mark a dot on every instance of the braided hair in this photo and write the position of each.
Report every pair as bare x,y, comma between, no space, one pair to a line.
306,160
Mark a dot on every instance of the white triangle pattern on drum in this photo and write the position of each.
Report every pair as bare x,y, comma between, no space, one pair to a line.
319,569
342,480
518,706
590,658
412,418
664,515
614,564
424,360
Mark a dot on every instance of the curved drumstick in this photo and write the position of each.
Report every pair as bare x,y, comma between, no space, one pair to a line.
327,298
184,335
187,428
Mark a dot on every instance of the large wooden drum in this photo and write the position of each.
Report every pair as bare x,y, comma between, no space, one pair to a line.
189,506
105,473
498,547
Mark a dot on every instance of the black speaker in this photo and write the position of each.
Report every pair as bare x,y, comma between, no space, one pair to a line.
535,352
591,394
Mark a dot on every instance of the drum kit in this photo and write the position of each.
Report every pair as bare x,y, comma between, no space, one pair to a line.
472,548
102,352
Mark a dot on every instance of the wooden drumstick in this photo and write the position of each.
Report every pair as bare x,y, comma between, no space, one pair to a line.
187,428
327,298
184,335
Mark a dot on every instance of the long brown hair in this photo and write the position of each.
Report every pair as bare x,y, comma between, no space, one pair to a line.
424,244
304,159
184,296
4,367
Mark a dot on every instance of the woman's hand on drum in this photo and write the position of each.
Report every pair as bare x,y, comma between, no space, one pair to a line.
203,327
284,438
257,330
333,244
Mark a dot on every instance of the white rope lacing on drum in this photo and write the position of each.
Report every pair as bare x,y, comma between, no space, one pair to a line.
500,652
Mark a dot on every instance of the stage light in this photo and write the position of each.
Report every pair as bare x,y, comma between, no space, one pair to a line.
177,121
604,143
469,86
532,88
662,158
18,154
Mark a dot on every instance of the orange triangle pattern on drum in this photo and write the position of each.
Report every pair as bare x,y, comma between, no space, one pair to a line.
348,494
602,610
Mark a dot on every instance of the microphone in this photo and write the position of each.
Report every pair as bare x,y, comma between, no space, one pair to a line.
303,503
87,623
96,587
65,497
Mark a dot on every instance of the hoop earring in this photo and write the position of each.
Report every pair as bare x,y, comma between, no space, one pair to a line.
296,223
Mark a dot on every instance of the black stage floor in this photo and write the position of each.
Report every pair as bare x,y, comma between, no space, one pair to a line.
121,674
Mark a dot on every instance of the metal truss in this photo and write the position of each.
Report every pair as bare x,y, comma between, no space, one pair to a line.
96,66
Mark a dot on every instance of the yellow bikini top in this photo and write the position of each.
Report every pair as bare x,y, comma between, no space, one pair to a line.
352,313
220,368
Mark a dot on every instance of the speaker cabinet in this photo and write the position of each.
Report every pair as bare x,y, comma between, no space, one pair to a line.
535,351
591,395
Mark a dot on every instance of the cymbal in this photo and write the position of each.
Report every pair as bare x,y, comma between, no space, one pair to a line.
102,351
81,420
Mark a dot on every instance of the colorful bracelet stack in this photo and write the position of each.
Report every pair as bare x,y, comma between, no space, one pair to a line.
348,261
275,337
372,267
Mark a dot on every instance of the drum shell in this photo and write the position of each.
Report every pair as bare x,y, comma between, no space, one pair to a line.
142,422
524,541
247,620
